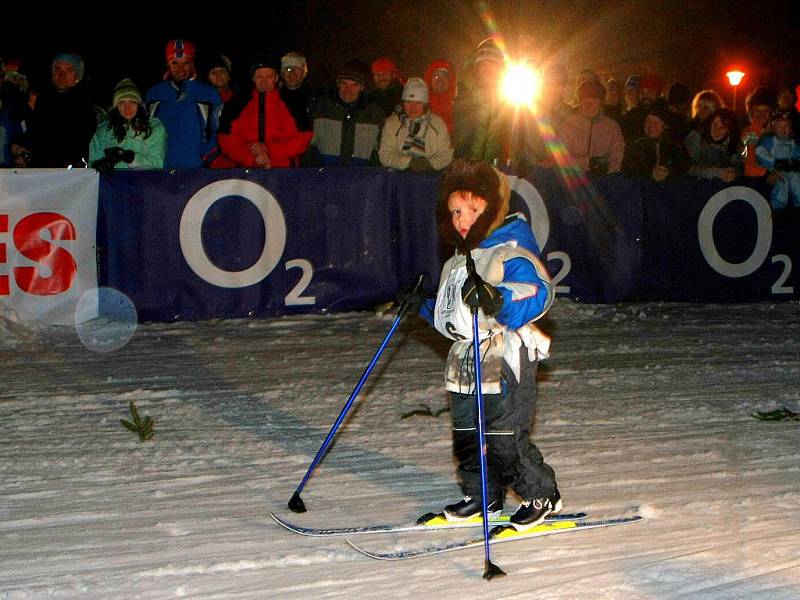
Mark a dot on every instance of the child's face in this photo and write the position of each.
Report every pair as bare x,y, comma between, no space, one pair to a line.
465,208
782,128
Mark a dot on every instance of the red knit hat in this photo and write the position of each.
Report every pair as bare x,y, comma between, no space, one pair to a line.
650,82
180,49
385,65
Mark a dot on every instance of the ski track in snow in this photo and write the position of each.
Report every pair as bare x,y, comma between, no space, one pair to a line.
642,408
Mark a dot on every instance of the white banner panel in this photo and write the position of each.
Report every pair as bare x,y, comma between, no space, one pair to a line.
48,220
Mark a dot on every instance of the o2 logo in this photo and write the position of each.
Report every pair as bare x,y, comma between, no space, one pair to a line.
540,223
274,225
705,235
57,267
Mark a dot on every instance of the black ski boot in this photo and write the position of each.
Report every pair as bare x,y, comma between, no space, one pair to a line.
533,512
470,507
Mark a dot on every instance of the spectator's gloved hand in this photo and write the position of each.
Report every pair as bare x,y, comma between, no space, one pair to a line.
782,165
113,155
116,154
420,164
476,293
104,166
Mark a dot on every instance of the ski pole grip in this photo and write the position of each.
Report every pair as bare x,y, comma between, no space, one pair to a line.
471,271
415,289
420,281
470,263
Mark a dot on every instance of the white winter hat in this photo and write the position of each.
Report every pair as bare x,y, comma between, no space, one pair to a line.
415,90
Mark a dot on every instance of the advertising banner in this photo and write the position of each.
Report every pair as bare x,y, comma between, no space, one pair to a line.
203,244
47,244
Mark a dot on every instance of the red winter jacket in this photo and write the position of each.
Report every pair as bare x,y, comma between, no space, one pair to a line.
284,142
442,104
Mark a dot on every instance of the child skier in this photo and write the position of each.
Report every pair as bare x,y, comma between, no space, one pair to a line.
512,289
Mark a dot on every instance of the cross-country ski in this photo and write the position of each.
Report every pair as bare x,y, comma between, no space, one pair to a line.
429,522
499,535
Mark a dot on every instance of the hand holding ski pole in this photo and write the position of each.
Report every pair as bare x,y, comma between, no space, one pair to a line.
411,300
477,293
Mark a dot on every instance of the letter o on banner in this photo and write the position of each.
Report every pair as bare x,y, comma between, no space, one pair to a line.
192,224
705,231
540,220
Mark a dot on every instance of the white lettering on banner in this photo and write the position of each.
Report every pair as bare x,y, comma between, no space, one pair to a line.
566,266
778,287
540,223
705,231
191,232
293,298
540,220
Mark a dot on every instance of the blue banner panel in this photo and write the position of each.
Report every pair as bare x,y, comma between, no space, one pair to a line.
204,244
709,241
593,250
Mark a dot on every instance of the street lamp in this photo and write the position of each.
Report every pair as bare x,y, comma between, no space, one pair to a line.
735,78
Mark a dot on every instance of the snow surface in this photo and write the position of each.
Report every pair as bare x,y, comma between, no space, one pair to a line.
641,407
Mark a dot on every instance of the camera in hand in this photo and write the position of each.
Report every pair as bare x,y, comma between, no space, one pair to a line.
787,164
113,156
117,154
598,166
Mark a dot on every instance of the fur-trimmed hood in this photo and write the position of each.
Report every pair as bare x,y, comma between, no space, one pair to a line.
480,179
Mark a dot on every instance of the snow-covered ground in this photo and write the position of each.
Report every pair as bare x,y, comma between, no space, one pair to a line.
642,408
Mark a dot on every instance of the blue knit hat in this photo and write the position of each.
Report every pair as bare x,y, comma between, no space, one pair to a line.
634,82
72,59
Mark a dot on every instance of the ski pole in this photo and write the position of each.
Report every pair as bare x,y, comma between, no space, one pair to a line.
491,570
295,502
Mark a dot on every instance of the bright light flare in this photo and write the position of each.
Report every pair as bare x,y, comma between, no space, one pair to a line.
734,77
521,84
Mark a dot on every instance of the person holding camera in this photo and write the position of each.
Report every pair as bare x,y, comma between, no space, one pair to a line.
130,138
655,155
593,140
780,153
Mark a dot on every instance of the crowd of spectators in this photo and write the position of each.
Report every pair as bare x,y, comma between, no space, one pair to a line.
373,115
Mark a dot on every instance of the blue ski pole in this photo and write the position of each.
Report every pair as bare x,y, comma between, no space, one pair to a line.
295,502
491,570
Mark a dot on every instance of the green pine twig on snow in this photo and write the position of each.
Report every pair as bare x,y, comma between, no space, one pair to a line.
781,414
142,427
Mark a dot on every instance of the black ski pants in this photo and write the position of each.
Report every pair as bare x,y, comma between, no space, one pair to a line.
513,460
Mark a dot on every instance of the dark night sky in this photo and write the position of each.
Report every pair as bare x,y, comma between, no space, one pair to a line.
690,40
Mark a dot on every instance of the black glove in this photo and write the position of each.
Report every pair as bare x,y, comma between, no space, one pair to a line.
104,166
476,293
420,164
598,166
413,298
782,165
117,154
113,155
